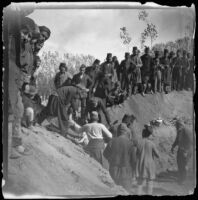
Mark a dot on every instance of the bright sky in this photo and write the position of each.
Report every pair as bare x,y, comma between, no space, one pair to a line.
97,31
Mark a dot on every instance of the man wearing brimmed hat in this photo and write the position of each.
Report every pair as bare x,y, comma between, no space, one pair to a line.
96,104
136,72
184,142
147,61
95,132
166,72
58,105
126,70
63,77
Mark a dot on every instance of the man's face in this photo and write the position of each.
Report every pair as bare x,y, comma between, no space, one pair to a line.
27,88
43,36
147,52
135,52
109,59
178,54
38,63
38,46
25,35
62,70
127,56
166,54
82,70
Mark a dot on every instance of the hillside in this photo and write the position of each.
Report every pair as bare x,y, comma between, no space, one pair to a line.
59,167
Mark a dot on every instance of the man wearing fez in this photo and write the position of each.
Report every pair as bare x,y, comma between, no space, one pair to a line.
136,72
126,70
146,69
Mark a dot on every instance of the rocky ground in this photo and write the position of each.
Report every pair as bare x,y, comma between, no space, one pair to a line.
59,167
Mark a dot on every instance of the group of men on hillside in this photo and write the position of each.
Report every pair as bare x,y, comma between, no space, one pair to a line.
79,102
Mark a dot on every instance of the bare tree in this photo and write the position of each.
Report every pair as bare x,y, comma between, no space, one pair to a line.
124,35
150,31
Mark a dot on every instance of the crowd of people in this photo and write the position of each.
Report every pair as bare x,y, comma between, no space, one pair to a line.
80,101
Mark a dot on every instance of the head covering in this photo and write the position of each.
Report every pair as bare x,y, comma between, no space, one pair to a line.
135,48
109,55
45,29
96,61
147,131
147,49
82,66
94,116
28,23
165,51
127,54
62,65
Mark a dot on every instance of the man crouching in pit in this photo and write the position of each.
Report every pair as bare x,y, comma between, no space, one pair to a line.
59,104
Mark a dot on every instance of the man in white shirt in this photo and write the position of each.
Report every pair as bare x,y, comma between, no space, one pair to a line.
95,132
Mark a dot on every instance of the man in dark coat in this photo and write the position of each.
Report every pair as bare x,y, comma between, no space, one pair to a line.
166,71
177,71
190,77
93,72
63,77
86,81
146,69
107,67
96,104
59,104
185,69
185,146
126,69
116,67
119,153
136,71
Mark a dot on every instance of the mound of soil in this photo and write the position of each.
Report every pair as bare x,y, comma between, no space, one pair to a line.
59,167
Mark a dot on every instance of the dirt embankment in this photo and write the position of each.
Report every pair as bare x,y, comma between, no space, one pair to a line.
59,167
